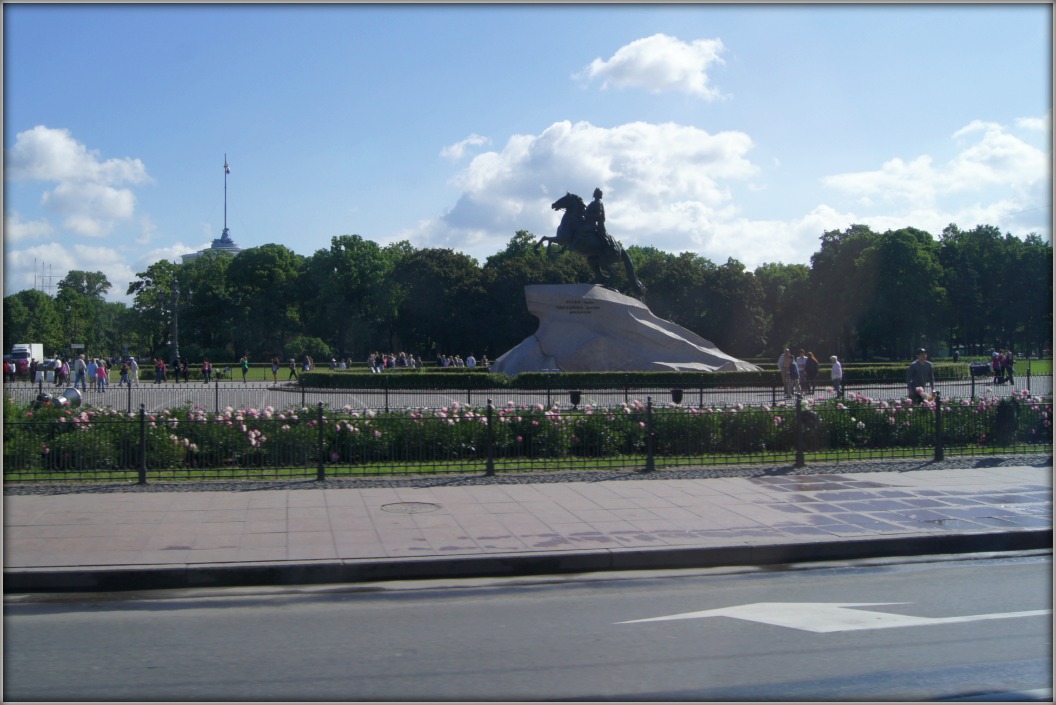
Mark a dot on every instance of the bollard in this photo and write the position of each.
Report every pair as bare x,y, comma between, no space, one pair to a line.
939,450
320,475
489,468
800,459
142,444
650,460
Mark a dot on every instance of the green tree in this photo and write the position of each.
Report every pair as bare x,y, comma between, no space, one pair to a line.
347,289
81,294
207,314
152,303
31,316
442,307
264,296
785,288
905,265
838,291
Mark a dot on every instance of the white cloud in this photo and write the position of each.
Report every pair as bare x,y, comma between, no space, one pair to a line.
458,150
90,194
659,64
17,230
1042,124
990,157
662,183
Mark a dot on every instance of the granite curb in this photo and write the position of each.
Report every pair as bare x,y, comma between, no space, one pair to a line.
291,573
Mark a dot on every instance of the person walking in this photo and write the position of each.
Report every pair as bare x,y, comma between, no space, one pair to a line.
80,369
207,371
102,376
813,367
275,369
783,361
920,374
837,376
793,378
293,370
125,369
244,364
133,371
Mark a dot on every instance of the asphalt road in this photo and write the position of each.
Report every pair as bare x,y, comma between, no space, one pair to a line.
886,631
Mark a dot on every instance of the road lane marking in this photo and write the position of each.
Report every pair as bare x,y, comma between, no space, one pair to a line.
827,617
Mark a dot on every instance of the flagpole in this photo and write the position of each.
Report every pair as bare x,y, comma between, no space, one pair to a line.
227,170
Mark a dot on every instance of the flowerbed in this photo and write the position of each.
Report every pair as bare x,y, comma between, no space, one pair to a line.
55,439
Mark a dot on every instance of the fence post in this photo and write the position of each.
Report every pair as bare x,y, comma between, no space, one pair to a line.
216,395
304,403
1028,376
939,450
129,407
469,391
800,460
489,439
650,460
320,475
142,443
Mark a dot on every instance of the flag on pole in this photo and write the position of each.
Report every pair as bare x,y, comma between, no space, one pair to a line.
227,169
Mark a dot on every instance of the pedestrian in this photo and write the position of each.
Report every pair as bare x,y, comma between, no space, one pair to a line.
793,377
996,366
244,363
293,370
133,371
102,376
275,369
90,371
837,376
783,361
813,367
1010,367
125,369
207,371
185,370
80,370
920,374
801,362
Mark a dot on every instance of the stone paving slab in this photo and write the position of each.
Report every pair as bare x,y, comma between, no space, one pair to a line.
283,536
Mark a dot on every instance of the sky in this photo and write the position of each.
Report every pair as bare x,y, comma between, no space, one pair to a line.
729,131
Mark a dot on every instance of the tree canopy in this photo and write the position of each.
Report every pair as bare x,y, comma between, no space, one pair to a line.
863,295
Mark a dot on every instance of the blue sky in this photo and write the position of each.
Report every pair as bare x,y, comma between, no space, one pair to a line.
724,130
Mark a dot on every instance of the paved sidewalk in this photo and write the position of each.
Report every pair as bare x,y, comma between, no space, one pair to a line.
144,540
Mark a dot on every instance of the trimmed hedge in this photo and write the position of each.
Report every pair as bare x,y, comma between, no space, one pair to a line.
480,378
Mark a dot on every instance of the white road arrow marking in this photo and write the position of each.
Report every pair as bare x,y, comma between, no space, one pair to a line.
825,617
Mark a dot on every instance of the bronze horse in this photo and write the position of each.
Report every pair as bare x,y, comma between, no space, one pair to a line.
576,234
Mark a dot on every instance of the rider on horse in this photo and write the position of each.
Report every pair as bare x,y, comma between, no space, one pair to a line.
595,216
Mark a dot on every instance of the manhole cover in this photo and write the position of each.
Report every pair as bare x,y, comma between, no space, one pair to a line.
410,507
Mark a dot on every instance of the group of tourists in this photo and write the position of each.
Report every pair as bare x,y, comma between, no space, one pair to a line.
799,374
1003,363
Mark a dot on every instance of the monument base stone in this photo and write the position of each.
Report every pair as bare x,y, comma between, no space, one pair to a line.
588,328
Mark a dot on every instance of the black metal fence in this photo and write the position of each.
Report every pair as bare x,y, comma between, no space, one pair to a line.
57,444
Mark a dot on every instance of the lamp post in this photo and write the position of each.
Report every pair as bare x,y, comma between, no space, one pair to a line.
176,318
